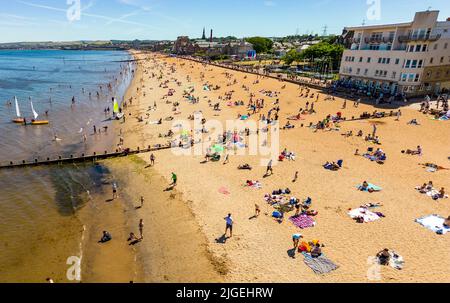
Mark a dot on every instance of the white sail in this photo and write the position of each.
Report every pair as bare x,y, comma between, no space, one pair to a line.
34,112
17,107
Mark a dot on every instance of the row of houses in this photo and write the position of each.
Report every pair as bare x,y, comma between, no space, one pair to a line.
240,49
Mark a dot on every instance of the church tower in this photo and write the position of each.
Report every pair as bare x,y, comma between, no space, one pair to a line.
204,34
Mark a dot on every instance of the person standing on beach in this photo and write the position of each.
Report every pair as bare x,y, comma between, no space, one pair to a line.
257,210
174,179
399,114
229,225
152,160
296,240
141,228
269,168
142,201
114,189
374,131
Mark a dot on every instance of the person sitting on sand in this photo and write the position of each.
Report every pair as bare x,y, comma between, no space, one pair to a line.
364,186
106,237
441,193
133,238
316,251
245,166
447,222
384,257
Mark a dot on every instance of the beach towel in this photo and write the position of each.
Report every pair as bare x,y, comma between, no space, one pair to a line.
254,184
303,221
371,186
396,261
224,191
434,223
367,215
320,265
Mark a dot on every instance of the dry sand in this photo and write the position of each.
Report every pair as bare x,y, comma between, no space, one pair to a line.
258,251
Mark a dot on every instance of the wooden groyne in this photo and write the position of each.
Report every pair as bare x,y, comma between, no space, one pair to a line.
80,158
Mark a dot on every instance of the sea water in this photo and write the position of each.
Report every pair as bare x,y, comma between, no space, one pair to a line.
40,222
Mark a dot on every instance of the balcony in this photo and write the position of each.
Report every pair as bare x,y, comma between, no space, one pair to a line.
373,39
409,38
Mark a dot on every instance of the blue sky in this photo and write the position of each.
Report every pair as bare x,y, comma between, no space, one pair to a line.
46,20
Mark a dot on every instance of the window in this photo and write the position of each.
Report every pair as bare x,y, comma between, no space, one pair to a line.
397,61
436,46
420,64
394,74
388,60
366,71
385,73
358,71
431,60
368,59
408,63
379,60
411,77
414,64
411,48
383,61
416,79
445,45
424,48
376,73
418,47
360,59
404,77
442,59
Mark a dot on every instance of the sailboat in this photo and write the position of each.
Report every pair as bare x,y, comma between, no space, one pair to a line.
19,119
35,114
116,110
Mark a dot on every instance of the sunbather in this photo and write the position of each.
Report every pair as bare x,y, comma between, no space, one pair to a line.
447,222
245,166
316,251
384,257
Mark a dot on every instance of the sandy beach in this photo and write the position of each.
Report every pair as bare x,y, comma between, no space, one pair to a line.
185,225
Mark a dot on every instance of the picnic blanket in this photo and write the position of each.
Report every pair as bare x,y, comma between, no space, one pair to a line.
303,221
435,223
371,186
367,215
320,265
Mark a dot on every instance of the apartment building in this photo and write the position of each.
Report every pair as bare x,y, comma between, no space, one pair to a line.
406,58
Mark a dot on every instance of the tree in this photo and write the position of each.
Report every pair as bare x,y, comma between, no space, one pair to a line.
324,51
291,56
261,45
